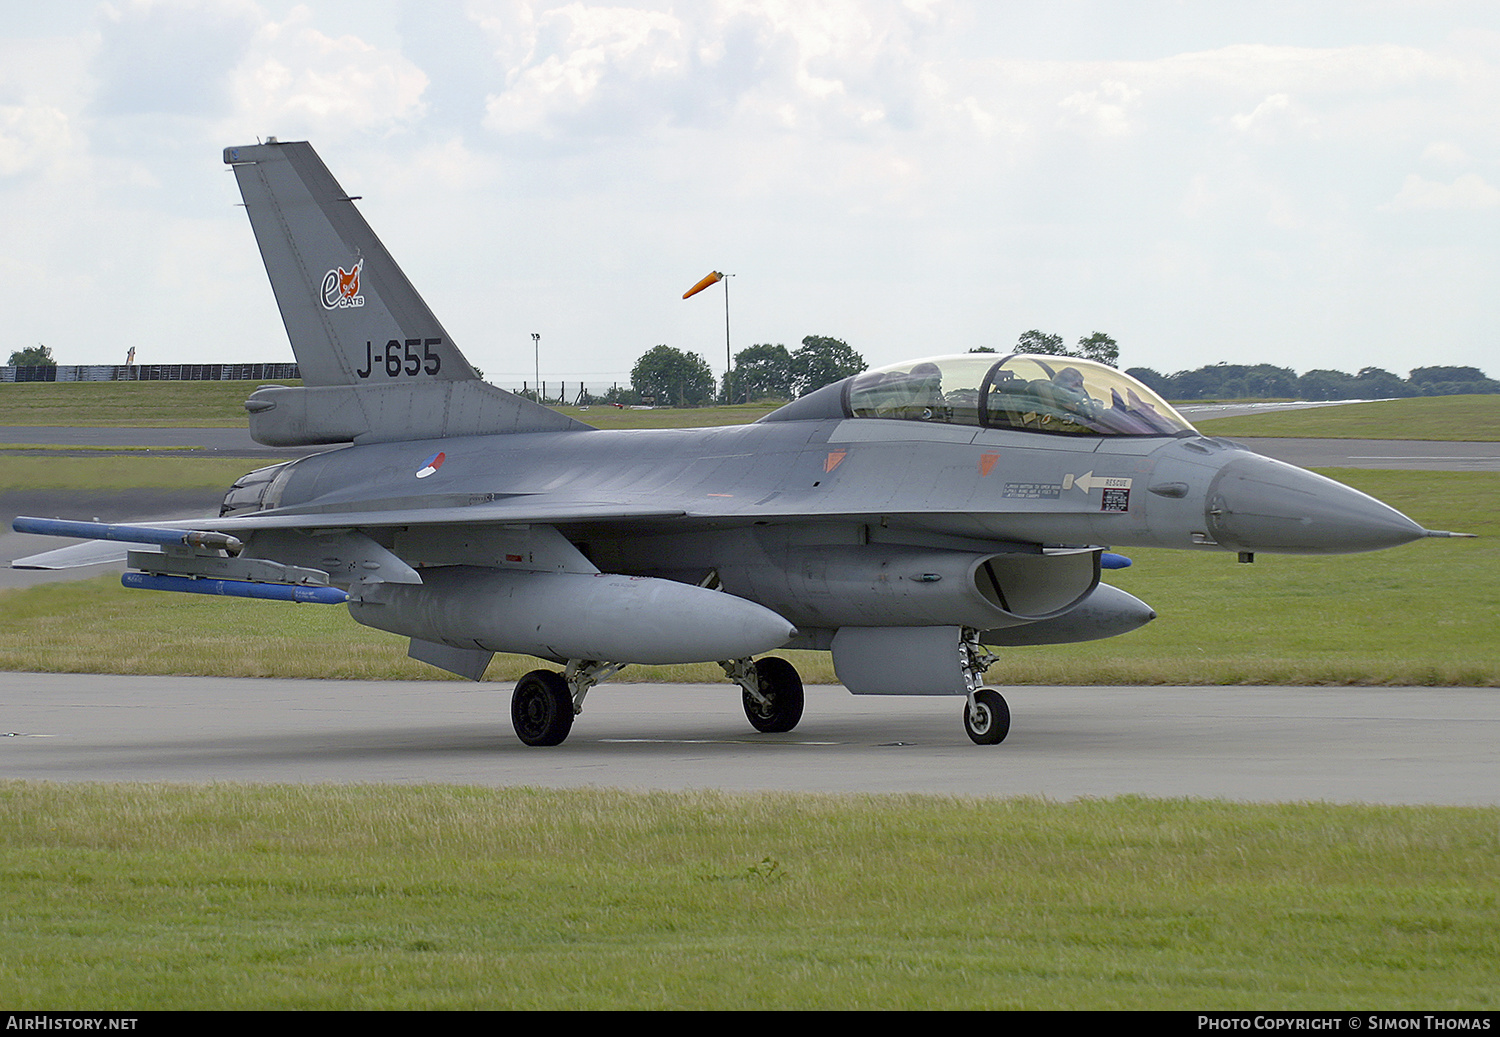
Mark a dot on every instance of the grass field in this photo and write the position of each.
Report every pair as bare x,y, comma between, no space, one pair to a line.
126,404
24,471
230,897
221,405
1452,418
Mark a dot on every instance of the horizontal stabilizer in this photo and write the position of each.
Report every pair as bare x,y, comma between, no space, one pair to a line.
309,416
77,556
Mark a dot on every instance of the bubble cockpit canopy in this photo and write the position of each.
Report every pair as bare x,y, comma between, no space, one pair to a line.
1054,394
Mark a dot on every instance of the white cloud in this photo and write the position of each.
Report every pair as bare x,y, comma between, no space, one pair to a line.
1469,191
1275,117
840,67
169,57
1105,110
1445,153
576,56
298,81
32,138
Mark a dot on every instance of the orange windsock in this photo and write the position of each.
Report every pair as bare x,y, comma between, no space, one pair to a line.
713,278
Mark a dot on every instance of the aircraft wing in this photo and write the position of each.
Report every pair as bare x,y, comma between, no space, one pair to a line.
112,542
511,511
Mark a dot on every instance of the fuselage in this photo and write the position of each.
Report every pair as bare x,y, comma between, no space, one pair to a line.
931,479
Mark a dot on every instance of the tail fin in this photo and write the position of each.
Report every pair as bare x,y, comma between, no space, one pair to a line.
351,314
375,361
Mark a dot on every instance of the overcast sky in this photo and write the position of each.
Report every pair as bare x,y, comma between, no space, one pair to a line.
1309,185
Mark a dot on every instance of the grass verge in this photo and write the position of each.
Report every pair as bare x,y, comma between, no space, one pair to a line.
22,472
143,897
127,404
222,405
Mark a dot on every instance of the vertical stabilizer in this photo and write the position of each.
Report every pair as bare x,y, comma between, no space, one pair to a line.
376,364
352,316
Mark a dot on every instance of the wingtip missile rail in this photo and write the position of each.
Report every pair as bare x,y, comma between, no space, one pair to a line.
129,534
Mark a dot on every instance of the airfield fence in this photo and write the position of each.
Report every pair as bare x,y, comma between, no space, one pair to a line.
148,372
561,391
564,391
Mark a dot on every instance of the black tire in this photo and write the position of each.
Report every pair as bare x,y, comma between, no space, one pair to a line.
782,687
541,710
988,721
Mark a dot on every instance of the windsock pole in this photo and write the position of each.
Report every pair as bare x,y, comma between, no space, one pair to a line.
714,278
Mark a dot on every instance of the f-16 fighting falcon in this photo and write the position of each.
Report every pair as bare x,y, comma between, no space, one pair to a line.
910,520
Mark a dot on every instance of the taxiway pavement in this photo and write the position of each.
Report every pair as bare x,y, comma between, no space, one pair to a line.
1344,745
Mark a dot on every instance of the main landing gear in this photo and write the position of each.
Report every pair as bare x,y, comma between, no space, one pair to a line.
545,702
541,709
771,692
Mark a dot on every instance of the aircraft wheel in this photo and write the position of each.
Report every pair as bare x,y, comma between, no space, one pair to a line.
542,708
988,720
782,687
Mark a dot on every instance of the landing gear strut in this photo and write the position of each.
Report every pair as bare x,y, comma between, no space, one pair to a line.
772,692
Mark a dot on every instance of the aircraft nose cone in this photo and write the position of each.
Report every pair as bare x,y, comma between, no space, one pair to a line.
1259,504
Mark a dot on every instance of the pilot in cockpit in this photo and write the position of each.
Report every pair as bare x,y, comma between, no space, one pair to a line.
1070,391
927,392
1070,378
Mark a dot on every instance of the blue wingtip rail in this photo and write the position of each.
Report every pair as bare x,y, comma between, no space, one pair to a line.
124,533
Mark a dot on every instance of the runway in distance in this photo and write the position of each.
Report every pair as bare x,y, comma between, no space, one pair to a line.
910,520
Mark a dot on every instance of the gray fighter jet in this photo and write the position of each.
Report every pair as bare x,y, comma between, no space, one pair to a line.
908,520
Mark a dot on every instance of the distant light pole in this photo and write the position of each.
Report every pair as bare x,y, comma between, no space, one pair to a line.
715,278
536,348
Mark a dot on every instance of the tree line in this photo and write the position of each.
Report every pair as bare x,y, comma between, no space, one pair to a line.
671,377
1264,381
33,356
